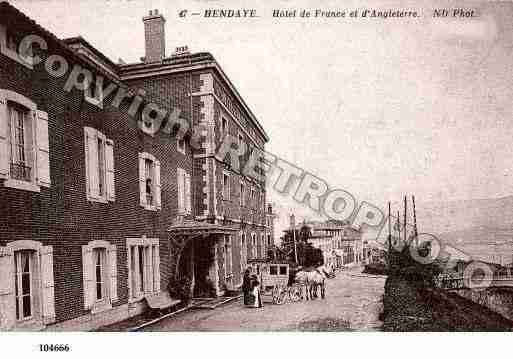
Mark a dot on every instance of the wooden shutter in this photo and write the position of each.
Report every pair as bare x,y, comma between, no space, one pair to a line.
158,201
187,194
88,276
91,155
4,137
181,191
113,272
142,180
7,296
47,284
149,269
43,149
156,268
109,170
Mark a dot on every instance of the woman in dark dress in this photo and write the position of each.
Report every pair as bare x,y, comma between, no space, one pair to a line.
246,287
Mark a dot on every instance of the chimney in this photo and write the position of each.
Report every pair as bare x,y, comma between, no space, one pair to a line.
154,36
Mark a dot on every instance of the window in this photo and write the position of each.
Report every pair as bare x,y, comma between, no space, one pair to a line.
228,260
21,142
268,240
262,246
24,150
99,267
241,141
10,47
226,186
144,267
99,163
242,195
10,41
23,263
184,192
180,145
283,270
99,264
273,270
149,182
224,127
253,245
243,252
26,286
252,203
149,175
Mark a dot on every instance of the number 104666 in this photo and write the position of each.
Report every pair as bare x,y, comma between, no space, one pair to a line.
54,348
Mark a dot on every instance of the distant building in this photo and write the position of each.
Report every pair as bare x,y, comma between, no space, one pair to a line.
340,243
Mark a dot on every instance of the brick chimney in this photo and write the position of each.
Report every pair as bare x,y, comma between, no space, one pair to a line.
154,36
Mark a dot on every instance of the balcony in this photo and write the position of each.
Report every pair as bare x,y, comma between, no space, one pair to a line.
20,171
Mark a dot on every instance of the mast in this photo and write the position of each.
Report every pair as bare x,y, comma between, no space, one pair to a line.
389,228
416,233
405,212
398,225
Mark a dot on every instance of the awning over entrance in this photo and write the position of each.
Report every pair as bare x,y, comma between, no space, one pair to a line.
196,228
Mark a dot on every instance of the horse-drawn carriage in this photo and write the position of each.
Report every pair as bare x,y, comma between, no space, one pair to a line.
276,281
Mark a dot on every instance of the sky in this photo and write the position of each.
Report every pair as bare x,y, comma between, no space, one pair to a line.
378,107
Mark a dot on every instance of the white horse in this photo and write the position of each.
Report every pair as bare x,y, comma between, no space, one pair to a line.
312,280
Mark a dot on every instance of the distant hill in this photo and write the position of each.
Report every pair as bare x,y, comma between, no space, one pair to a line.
482,228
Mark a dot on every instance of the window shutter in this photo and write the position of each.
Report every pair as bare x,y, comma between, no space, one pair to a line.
181,191
142,182
113,272
88,276
7,298
109,167
156,268
188,193
149,270
47,284
91,155
43,149
157,185
4,137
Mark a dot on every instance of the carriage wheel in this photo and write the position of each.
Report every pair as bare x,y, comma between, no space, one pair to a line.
295,294
279,295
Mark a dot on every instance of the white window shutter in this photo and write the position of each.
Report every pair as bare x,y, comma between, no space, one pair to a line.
156,268
158,201
149,269
113,272
7,296
91,155
181,191
4,137
142,181
43,149
109,167
47,284
88,276
188,193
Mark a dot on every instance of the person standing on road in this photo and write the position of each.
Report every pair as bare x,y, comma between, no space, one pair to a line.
246,287
256,292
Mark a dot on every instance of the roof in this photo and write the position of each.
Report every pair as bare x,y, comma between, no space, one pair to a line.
10,12
188,62
79,40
